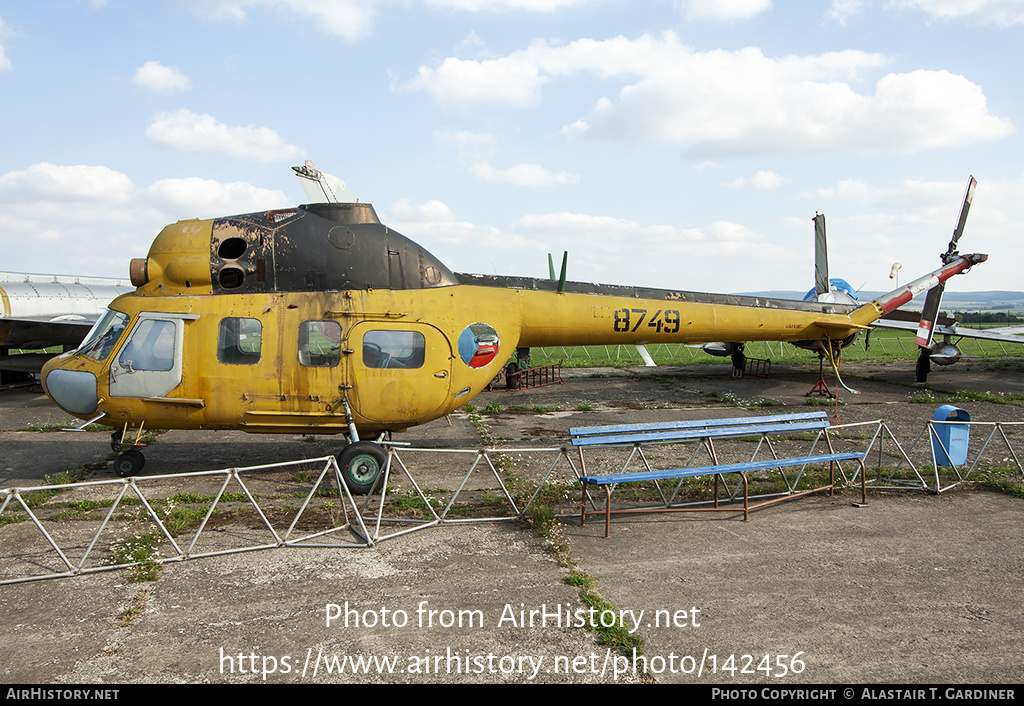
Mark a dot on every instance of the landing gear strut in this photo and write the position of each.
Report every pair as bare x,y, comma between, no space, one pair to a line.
739,361
924,365
130,460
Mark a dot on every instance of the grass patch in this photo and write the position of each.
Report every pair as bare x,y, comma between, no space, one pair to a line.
64,426
35,498
821,402
132,613
616,634
543,518
139,553
1002,479
930,396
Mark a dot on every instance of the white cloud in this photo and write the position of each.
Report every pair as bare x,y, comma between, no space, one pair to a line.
608,238
80,182
156,77
998,12
98,217
473,151
523,174
724,102
578,222
465,81
507,5
761,180
350,19
468,145
745,103
435,225
208,198
724,10
5,63
872,225
189,132
843,10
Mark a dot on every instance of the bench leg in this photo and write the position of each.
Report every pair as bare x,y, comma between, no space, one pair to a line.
863,483
746,497
583,506
607,511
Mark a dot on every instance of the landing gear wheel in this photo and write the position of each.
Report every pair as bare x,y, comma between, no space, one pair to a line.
361,464
129,463
924,365
511,381
115,442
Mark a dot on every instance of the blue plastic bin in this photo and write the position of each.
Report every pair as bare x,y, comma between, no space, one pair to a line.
954,437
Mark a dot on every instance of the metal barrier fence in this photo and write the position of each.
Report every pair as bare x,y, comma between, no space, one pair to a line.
251,509
126,500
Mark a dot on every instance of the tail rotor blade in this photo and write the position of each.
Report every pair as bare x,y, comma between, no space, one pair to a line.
968,198
929,314
821,284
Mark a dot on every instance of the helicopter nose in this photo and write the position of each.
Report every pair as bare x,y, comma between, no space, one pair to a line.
74,391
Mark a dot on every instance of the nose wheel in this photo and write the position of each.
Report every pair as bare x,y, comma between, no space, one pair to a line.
130,460
129,463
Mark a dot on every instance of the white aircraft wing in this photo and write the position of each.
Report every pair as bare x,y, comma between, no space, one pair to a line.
40,311
1004,334
948,327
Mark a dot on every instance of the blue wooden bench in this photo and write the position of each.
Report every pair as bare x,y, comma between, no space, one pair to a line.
705,432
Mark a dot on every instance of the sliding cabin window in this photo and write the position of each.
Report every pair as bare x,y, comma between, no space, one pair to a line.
151,347
319,344
240,341
393,349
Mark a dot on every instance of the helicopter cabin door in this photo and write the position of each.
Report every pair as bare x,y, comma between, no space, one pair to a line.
400,372
149,364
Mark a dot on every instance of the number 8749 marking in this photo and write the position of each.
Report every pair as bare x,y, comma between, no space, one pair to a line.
662,321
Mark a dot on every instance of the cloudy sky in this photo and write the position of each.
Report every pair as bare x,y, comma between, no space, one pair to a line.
671,143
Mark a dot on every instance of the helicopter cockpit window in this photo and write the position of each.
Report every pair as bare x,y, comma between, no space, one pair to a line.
104,335
393,349
320,344
240,341
151,347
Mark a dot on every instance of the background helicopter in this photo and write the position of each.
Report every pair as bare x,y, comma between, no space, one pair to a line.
320,319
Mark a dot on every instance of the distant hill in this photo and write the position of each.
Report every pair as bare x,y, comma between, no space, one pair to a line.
993,300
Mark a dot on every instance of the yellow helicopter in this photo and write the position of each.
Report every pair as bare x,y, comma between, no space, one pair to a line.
320,319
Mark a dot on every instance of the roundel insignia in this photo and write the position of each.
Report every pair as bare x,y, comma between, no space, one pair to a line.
478,344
